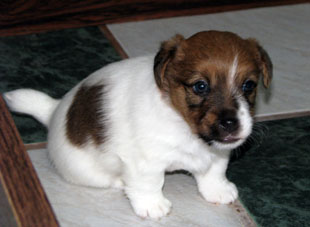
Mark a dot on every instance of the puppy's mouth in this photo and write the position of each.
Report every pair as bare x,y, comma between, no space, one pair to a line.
229,139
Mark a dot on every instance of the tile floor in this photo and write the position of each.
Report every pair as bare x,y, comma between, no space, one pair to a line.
82,206
276,29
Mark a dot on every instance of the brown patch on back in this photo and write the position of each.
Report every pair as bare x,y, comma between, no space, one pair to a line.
84,117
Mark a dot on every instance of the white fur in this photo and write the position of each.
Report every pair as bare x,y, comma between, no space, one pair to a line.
32,102
232,72
145,138
246,124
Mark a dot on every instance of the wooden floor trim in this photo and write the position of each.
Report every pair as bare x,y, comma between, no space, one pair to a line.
19,182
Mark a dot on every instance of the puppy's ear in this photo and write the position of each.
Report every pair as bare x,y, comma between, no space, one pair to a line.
267,67
265,63
167,52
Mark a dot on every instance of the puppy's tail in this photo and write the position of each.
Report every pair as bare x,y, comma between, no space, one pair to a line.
31,102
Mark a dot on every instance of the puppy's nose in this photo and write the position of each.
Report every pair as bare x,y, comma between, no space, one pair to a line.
229,124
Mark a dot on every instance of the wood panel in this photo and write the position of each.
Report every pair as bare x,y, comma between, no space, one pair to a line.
26,198
24,17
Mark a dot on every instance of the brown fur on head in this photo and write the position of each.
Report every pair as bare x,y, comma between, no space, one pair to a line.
225,65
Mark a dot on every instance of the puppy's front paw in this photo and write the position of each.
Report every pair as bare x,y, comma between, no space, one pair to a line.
153,207
223,192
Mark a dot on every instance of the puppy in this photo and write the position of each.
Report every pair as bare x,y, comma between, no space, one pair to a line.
128,123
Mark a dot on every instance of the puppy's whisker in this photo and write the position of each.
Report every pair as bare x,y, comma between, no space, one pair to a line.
258,134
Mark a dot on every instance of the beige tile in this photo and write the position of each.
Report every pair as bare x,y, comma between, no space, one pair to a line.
82,206
283,31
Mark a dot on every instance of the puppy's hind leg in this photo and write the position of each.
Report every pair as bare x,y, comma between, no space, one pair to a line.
87,167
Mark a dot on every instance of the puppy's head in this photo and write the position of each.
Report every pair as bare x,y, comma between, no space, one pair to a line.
211,80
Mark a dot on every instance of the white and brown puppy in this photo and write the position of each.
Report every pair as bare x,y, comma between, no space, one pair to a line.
128,123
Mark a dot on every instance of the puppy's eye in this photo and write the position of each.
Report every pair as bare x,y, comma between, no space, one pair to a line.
201,87
248,86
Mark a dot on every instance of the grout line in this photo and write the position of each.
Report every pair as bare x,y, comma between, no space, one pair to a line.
109,35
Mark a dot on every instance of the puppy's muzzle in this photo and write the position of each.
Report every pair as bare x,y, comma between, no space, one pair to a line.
228,126
225,129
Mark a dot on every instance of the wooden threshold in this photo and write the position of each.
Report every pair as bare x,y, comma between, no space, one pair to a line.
25,200
25,17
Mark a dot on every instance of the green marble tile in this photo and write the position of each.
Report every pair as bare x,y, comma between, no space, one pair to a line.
272,172
52,62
